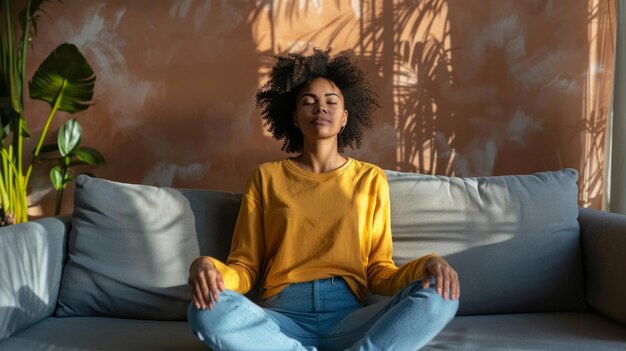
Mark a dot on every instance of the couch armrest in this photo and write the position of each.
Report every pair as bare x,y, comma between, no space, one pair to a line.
603,239
32,255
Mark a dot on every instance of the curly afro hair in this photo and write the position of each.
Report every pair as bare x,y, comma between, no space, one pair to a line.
277,97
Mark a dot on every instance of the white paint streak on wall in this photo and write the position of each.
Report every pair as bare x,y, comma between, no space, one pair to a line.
164,174
564,85
540,69
180,9
201,14
521,127
505,34
119,14
97,37
39,192
184,8
478,158
242,110
93,36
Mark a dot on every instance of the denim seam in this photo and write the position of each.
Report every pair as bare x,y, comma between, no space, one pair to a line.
272,299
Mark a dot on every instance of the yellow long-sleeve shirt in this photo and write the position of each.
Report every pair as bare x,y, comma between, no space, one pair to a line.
302,226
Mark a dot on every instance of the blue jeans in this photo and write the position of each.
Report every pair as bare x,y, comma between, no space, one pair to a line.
323,314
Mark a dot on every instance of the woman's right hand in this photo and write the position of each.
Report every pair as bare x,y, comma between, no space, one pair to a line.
205,282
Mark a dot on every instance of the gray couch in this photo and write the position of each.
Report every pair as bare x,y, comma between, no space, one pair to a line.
537,272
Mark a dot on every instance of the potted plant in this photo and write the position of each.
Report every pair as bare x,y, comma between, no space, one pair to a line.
65,81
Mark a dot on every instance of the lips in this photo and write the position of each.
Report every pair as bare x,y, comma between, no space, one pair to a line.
320,120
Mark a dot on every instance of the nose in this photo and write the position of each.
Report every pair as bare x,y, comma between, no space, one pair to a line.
319,108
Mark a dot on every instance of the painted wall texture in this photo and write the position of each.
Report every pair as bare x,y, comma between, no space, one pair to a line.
469,87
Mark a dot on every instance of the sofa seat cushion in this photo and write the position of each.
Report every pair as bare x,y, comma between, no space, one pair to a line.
101,333
514,240
540,331
533,331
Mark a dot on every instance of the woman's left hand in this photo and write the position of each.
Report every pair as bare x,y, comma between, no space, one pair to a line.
446,279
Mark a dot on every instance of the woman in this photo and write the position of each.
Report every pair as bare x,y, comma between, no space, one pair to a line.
316,228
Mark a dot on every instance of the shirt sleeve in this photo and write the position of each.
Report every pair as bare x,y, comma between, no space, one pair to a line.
241,269
383,276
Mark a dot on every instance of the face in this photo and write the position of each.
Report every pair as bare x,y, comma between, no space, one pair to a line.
320,111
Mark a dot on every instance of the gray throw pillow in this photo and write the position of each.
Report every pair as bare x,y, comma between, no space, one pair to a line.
514,240
130,247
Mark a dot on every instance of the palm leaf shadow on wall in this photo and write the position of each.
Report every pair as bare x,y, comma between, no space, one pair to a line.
439,129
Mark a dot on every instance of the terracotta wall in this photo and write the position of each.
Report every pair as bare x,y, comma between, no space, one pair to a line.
469,87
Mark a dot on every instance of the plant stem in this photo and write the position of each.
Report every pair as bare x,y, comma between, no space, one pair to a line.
20,139
57,209
3,193
55,107
14,84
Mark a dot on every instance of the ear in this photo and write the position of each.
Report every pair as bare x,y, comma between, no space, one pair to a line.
295,120
344,121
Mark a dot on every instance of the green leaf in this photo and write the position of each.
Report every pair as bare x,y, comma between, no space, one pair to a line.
64,78
24,128
69,137
56,176
90,156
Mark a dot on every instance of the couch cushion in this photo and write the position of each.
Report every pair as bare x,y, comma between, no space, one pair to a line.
130,247
100,333
532,331
31,261
514,240
541,331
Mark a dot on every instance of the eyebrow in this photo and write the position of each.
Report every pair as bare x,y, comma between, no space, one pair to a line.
314,96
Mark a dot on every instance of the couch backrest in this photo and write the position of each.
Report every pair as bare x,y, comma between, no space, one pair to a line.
513,240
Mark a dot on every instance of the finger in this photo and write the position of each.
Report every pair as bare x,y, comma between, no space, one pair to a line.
446,285
213,285
457,286
198,296
425,280
220,283
195,291
208,292
192,291
439,280
204,290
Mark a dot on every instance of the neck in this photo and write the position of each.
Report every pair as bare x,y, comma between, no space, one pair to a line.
320,157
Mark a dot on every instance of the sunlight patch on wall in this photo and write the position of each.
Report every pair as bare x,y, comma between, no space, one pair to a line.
457,108
318,5
597,92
